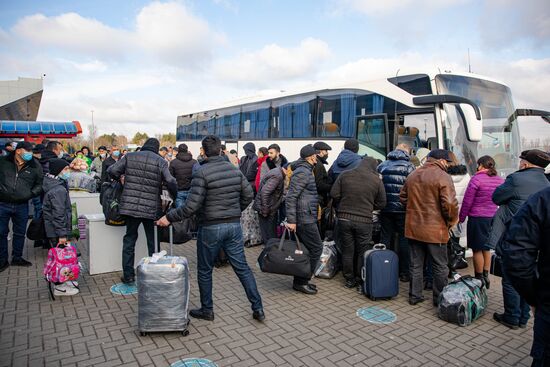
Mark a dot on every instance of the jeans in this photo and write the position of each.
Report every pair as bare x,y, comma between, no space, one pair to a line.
516,310
393,224
229,237
268,227
129,243
19,215
309,236
355,240
180,199
540,351
437,252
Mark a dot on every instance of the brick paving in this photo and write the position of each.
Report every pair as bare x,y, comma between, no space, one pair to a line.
97,328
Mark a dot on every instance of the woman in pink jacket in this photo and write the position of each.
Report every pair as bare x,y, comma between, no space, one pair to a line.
480,209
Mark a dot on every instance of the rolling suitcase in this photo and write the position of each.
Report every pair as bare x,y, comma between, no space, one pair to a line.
163,293
380,273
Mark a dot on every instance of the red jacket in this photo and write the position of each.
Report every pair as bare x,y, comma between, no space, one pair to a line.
257,182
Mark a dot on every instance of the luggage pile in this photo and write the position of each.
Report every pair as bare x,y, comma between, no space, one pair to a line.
462,301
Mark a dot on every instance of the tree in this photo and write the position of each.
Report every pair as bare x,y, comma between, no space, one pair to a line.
140,138
166,140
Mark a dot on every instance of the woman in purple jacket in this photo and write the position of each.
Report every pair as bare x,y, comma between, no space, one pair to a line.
480,209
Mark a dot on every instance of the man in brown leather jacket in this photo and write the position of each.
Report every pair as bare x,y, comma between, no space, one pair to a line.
431,209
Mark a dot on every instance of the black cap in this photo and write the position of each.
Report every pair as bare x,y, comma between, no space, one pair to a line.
321,145
307,151
440,154
24,145
38,148
352,144
536,157
56,165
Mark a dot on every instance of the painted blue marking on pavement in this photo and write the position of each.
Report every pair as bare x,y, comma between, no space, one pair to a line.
124,289
194,362
376,315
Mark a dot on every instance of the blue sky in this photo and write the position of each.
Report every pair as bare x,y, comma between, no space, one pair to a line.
138,64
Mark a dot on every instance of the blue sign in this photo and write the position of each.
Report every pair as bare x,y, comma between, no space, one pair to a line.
376,315
124,289
194,362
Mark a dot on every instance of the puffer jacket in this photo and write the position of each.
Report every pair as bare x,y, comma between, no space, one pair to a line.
182,169
394,172
269,164
477,200
144,174
56,207
358,192
510,196
430,202
461,178
19,186
346,160
219,193
301,198
270,194
249,163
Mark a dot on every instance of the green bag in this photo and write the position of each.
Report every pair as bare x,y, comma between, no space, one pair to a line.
75,233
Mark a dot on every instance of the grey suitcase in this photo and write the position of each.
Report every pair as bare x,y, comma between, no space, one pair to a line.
163,294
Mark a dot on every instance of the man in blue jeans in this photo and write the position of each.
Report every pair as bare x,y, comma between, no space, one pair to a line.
20,180
218,195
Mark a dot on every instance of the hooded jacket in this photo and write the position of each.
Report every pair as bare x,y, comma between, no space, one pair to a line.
301,198
269,164
182,169
346,160
358,192
394,172
45,158
322,180
19,186
219,193
144,174
270,193
249,163
56,207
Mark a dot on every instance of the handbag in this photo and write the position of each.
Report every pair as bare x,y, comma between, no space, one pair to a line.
456,253
286,257
36,230
180,232
496,265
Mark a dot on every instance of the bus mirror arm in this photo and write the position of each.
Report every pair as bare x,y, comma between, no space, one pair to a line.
545,115
446,98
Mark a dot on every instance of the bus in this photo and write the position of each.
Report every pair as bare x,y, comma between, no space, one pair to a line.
466,113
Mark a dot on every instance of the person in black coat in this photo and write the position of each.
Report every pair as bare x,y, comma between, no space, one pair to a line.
182,169
249,163
357,193
322,180
144,173
219,193
301,210
114,156
268,200
526,259
57,203
53,150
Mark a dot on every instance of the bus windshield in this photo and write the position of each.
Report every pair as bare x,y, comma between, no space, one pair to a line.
500,137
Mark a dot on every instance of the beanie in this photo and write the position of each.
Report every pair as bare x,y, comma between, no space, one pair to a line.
57,165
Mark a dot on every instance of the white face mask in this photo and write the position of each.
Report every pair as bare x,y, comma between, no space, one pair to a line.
60,155
103,155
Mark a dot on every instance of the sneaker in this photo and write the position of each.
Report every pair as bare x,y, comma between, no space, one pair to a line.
350,283
72,283
64,290
19,261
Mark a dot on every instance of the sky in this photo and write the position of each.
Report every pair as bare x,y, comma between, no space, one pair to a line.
139,64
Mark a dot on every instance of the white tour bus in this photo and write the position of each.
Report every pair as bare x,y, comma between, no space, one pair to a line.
466,113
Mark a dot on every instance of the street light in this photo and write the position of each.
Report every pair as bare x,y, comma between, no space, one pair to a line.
93,133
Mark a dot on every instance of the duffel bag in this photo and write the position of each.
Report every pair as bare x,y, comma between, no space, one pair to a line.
286,257
462,301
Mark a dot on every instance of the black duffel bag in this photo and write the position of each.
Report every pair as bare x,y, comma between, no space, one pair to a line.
36,230
286,257
180,232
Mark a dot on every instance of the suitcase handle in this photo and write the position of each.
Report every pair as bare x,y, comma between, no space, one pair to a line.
170,237
283,239
363,274
379,246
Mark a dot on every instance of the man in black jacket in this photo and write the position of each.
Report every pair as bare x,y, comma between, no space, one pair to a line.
526,259
268,200
301,210
53,150
249,164
322,181
20,180
182,169
219,193
109,161
357,193
142,173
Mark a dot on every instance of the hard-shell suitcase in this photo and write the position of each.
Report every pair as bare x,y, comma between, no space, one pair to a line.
163,293
380,273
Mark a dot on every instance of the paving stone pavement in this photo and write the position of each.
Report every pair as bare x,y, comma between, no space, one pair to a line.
98,328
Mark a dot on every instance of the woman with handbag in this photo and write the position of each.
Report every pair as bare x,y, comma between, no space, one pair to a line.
480,210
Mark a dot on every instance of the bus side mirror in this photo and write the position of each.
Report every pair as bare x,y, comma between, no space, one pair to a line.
474,126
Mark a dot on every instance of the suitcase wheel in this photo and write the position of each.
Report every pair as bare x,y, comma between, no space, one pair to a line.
372,298
142,333
185,332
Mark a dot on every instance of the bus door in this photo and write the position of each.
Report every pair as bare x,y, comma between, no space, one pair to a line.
416,130
373,135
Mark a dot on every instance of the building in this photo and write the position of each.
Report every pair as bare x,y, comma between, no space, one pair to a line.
20,99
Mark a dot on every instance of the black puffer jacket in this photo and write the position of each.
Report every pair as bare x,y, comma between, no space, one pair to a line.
301,199
19,186
219,193
249,163
144,174
270,194
394,172
56,207
359,191
182,169
322,180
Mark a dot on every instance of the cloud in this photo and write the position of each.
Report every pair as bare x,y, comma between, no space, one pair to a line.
273,63
387,7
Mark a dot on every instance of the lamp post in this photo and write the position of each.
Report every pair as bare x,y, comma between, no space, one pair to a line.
93,133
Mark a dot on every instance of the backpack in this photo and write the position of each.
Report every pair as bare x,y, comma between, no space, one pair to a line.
62,265
110,199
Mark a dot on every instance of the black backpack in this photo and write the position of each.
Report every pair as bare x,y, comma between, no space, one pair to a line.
110,199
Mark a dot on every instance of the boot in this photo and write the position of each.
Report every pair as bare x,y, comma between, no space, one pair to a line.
486,279
480,277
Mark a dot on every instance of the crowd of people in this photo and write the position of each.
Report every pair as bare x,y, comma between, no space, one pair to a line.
420,200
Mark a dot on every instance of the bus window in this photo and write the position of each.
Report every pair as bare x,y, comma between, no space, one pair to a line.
187,128
418,131
206,125
336,115
227,127
255,124
372,136
293,118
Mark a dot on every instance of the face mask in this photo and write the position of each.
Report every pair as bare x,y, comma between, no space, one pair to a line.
60,155
65,175
116,153
26,156
102,155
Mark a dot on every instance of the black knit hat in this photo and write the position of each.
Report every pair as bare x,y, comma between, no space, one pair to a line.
151,145
38,148
57,165
24,145
352,144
